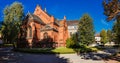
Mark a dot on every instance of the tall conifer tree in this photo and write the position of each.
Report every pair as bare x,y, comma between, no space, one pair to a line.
86,30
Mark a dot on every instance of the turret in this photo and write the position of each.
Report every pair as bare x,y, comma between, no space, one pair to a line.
64,17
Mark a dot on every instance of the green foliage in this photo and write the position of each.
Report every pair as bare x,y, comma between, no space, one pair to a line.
86,30
74,37
116,32
70,43
13,16
83,49
109,35
103,35
112,10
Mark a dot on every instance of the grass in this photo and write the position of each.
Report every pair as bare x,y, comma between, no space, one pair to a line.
63,50
7,45
60,50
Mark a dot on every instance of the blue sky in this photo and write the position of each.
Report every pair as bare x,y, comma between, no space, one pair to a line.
72,9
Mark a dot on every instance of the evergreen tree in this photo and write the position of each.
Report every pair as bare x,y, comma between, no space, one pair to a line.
116,31
109,35
13,16
86,30
103,35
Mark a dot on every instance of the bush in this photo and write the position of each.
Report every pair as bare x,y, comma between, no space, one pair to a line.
85,49
70,43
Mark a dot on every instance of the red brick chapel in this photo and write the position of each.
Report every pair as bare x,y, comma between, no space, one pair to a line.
40,27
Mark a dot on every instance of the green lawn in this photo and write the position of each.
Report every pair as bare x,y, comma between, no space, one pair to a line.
63,50
7,45
60,50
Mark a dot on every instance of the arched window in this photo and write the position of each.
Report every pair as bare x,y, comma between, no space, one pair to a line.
45,35
29,32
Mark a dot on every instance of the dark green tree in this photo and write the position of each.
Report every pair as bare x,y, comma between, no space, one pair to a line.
86,30
116,32
13,16
109,35
103,35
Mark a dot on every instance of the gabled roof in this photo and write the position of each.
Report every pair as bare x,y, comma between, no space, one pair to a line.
48,27
34,17
48,14
72,22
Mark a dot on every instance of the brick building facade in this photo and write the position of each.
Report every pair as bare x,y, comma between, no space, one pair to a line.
42,27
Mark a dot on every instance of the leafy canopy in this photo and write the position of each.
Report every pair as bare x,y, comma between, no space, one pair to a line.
13,15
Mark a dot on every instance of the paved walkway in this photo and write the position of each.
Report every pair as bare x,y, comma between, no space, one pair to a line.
6,56
74,58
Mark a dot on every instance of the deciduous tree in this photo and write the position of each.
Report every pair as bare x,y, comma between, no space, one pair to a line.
13,15
103,35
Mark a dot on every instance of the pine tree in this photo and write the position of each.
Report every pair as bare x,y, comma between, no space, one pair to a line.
86,30
116,31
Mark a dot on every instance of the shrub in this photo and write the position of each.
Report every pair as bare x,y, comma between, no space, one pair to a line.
70,43
83,49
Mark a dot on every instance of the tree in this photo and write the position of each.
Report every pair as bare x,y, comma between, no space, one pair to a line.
13,16
86,30
109,35
70,43
112,11
116,31
103,35
74,37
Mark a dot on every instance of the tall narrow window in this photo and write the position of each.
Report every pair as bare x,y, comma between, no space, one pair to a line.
30,32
